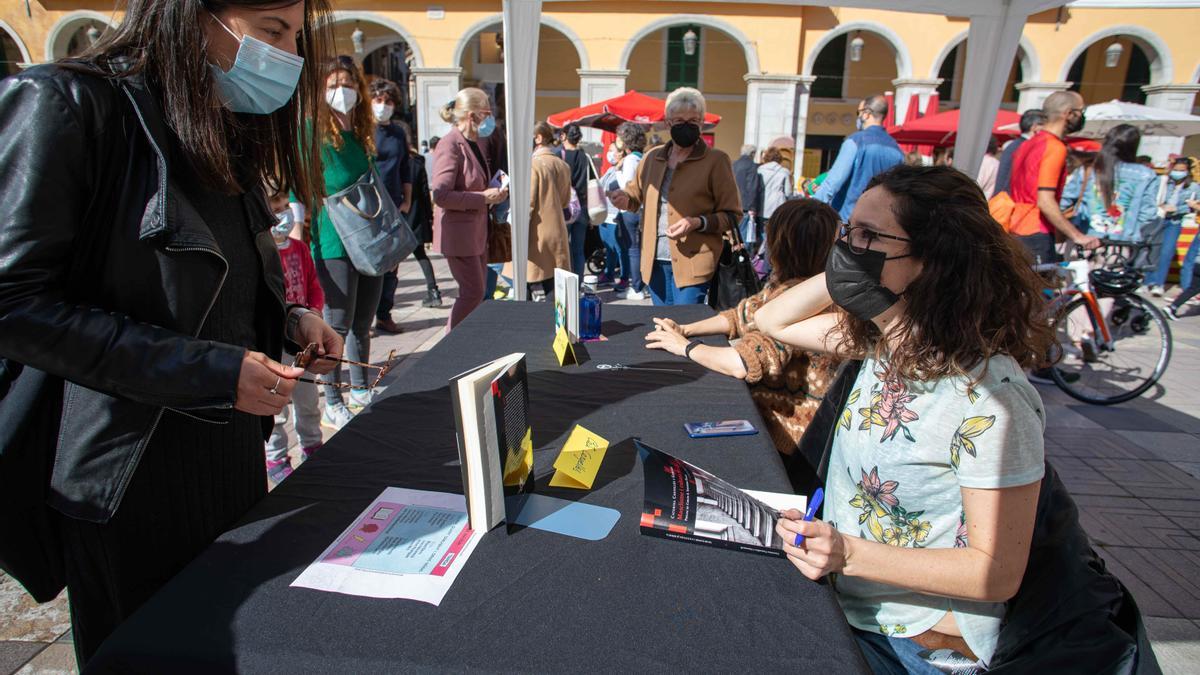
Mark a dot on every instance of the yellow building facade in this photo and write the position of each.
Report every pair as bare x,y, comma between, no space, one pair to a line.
771,71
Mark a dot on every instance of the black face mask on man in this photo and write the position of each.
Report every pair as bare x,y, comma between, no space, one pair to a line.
1076,125
685,134
853,280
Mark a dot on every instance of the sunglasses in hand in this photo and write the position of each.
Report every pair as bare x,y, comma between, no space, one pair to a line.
305,358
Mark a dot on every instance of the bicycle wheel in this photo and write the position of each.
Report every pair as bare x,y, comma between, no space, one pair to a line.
1136,357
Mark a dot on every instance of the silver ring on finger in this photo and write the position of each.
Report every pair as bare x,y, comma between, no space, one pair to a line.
275,389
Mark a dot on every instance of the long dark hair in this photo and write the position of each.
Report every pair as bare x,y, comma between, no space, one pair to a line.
1120,145
164,43
799,237
976,295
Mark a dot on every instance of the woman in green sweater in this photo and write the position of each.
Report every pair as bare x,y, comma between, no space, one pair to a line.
347,132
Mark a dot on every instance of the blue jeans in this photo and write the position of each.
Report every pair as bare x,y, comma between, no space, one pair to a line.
1189,263
610,234
892,656
631,224
493,277
664,292
1167,239
577,236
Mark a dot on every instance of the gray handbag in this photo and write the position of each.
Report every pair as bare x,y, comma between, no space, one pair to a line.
376,235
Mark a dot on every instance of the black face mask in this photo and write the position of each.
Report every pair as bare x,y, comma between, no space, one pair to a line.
685,134
1074,126
854,284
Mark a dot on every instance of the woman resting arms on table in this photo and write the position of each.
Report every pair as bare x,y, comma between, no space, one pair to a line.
787,384
937,458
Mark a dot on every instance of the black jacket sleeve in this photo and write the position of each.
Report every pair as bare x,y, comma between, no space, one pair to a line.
50,168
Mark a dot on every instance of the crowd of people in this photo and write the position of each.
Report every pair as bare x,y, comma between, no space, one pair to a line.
148,307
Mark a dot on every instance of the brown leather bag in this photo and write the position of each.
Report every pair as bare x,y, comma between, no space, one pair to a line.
499,241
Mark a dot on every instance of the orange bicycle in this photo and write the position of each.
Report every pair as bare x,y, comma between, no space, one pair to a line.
1115,343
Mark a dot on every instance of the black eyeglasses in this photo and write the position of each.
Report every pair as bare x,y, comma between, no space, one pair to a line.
859,238
306,357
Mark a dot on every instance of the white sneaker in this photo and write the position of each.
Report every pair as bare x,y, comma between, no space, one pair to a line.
336,415
1156,291
360,398
634,295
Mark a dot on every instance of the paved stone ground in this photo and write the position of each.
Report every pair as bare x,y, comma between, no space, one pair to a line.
1134,470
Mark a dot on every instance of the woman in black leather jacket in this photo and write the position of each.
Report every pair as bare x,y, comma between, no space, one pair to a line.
141,295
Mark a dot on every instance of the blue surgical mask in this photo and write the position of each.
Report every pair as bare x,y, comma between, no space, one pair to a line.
262,80
487,126
284,221
1177,175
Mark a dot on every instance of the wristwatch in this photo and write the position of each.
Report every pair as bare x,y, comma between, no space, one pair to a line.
687,351
293,322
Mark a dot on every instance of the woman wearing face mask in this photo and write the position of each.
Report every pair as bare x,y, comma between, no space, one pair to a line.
1122,201
936,462
461,198
142,309
391,160
688,198
345,127
1180,198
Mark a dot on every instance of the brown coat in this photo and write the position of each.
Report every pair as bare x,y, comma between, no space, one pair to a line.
703,185
549,192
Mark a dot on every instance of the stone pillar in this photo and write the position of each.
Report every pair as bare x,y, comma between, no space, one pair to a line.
1031,95
777,105
905,88
598,85
435,88
1176,98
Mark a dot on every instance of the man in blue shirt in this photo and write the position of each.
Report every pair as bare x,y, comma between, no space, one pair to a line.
864,154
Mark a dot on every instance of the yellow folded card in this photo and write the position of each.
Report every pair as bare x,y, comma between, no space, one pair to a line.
579,460
562,347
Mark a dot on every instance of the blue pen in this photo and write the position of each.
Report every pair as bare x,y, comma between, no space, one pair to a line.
813,505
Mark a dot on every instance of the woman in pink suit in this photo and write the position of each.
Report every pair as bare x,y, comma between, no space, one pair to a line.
461,198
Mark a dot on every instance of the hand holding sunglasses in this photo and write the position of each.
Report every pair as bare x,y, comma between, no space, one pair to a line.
310,354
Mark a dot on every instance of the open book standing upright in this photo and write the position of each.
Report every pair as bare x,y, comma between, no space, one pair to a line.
495,439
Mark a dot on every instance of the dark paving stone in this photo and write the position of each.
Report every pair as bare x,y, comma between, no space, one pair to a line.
1125,418
13,655
1125,521
1141,478
1097,443
1148,599
1082,479
1170,574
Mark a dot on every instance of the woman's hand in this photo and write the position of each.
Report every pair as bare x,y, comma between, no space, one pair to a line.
682,227
264,386
493,196
619,199
669,324
669,339
312,328
823,550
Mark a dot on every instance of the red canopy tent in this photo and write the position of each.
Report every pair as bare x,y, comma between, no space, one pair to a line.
628,107
941,129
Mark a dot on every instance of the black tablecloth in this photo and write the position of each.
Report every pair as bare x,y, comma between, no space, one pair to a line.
529,601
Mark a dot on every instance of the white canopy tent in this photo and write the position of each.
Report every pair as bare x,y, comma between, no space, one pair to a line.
992,41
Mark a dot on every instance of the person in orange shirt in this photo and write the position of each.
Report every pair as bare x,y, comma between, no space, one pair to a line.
1038,175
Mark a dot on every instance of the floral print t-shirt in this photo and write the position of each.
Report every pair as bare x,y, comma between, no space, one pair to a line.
900,453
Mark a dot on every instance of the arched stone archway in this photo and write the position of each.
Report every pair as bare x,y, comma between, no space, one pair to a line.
950,65
14,53
749,51
904,69
384,49
657,61
1161,66
69,35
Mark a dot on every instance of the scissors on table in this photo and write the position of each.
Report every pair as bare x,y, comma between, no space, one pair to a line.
621,366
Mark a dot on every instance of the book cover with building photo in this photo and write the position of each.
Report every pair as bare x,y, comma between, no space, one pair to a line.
686,503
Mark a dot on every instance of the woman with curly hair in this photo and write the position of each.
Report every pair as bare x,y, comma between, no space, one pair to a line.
937,458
